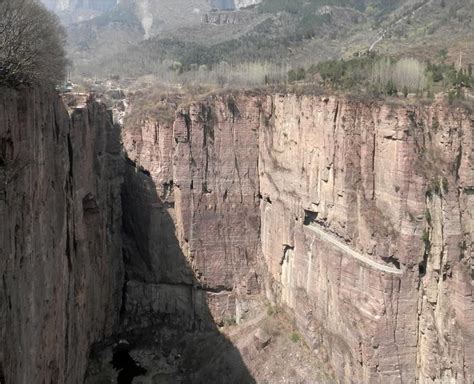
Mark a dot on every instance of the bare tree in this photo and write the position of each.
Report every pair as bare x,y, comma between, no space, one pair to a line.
406,73
31,44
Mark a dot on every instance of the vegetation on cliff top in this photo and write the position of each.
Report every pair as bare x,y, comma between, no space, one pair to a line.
384,75
31,44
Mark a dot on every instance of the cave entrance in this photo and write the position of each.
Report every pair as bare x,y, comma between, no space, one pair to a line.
310,217
127,367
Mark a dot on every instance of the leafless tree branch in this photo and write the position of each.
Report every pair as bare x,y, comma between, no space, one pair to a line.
31,44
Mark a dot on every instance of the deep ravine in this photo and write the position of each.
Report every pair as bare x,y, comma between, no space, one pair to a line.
157,236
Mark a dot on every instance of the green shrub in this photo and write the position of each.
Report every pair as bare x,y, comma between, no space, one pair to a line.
390,88
295,337
271,310
298,75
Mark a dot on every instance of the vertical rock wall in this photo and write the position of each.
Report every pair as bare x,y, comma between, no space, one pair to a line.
200,175
60,235
356,217
367,234
364,222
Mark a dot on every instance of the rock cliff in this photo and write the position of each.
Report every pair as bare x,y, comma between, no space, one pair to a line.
202,176
356,217
367,233
60,235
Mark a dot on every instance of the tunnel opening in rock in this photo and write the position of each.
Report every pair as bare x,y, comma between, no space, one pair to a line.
310,217
394,262
126,366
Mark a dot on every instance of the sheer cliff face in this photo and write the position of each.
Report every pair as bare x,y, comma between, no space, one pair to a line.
60,235
201,174
363,224
356,217
394,185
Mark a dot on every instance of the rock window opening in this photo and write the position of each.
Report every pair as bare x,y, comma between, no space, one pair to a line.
310,217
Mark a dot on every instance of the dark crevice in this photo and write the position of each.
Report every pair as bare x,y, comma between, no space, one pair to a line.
71,155
208,126
422,265
68,239
218,289
126,366
5,290
205,188
287,248
187,121
234,110
123,304
267,199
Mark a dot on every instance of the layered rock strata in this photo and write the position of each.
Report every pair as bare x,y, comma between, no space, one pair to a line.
60,235
356,217
200,182
363,224
367,233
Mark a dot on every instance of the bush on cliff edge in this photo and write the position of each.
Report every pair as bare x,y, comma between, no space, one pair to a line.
31,44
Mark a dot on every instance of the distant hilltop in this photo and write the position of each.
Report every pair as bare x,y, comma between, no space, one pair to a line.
233,4
104,5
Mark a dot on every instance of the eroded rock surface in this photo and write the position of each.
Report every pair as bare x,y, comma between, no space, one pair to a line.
393,183
356,217
60,235
364,223
199,179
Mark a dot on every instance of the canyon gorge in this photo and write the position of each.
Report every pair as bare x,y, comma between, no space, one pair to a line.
353,218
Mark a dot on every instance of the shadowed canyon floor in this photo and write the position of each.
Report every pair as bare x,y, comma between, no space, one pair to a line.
168,331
